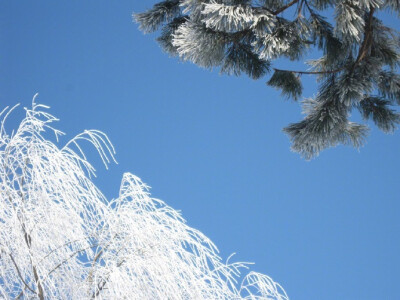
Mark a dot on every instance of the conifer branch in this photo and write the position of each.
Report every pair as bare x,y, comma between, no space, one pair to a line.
366,44
311,72
283,8
245,37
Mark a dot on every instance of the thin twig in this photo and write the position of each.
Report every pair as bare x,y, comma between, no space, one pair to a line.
20,275
59,247
67,259
312,72
102,283
20,294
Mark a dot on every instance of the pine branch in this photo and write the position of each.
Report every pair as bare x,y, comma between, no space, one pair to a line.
239,35
283,8
366,44
324,31
312,72
161,12
168,32
389,85
326,123
239,58
288,82
377,108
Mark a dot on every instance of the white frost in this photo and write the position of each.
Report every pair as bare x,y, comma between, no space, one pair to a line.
60,238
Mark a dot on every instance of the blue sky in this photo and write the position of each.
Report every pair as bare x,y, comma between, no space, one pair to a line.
212,147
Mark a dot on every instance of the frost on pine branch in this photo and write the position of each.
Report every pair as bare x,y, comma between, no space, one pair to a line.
60,238
358,67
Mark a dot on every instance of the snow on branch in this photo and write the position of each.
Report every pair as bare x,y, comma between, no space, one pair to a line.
60,238
230,18
161,12
357,50
200,45
349,21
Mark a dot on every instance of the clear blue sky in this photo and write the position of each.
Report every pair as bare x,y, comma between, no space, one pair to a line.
212,147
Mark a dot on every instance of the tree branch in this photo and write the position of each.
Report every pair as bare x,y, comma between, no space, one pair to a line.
28,241
59,247
98,255
366,43
367,38
21,294
312,72
102,283
283,8
67,259
20,275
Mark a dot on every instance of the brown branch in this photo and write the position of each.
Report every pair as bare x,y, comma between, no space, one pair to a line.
312,72
299,9
283,8
367,38
366,43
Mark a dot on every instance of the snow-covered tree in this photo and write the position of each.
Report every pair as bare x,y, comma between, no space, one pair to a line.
60,238
357,68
